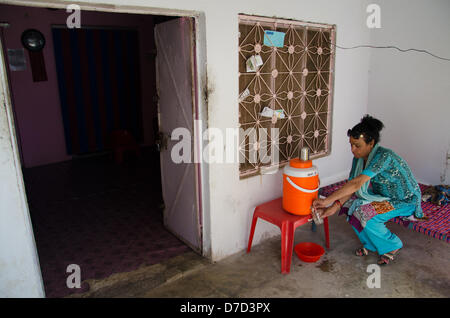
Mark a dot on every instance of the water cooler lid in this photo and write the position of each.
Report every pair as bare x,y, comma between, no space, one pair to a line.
297,163
300,169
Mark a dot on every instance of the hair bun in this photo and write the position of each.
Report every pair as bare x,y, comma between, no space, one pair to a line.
372,123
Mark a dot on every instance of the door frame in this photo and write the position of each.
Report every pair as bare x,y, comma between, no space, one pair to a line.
200,109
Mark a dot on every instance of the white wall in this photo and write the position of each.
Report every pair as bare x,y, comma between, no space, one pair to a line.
19,266
409,91
232,200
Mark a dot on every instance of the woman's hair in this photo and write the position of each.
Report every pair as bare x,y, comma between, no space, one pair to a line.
369,127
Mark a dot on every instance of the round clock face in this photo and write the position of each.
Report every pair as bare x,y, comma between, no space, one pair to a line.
33,40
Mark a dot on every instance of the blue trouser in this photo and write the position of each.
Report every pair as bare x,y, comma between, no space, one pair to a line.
376,237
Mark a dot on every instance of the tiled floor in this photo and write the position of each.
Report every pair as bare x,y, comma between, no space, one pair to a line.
104,217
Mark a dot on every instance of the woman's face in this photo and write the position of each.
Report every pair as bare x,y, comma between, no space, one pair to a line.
360,148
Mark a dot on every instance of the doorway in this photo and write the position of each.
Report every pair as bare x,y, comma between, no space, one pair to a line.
103,215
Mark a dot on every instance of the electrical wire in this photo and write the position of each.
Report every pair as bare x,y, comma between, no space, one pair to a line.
389,47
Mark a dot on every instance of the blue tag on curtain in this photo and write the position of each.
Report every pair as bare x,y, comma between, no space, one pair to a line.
274,38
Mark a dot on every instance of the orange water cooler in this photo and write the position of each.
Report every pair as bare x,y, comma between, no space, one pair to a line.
300,184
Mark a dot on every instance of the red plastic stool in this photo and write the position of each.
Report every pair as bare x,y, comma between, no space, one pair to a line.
122,141
273,212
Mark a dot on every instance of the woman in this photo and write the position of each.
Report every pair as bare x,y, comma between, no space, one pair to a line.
380,187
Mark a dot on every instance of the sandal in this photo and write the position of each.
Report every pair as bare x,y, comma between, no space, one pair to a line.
386,258
362,251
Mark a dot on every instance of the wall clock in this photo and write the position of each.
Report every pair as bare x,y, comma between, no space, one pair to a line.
34,42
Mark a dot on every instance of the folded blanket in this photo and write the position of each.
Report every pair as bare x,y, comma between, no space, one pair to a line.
439,194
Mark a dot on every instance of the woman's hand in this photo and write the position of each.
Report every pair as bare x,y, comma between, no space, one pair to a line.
326,212
320,203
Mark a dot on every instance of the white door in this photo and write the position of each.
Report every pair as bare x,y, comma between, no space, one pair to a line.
174,43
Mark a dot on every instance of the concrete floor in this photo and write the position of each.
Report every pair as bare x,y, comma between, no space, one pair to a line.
421,270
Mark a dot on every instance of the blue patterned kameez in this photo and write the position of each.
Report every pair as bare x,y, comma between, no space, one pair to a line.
390,177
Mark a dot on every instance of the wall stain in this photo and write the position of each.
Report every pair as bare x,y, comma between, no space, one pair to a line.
208,88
